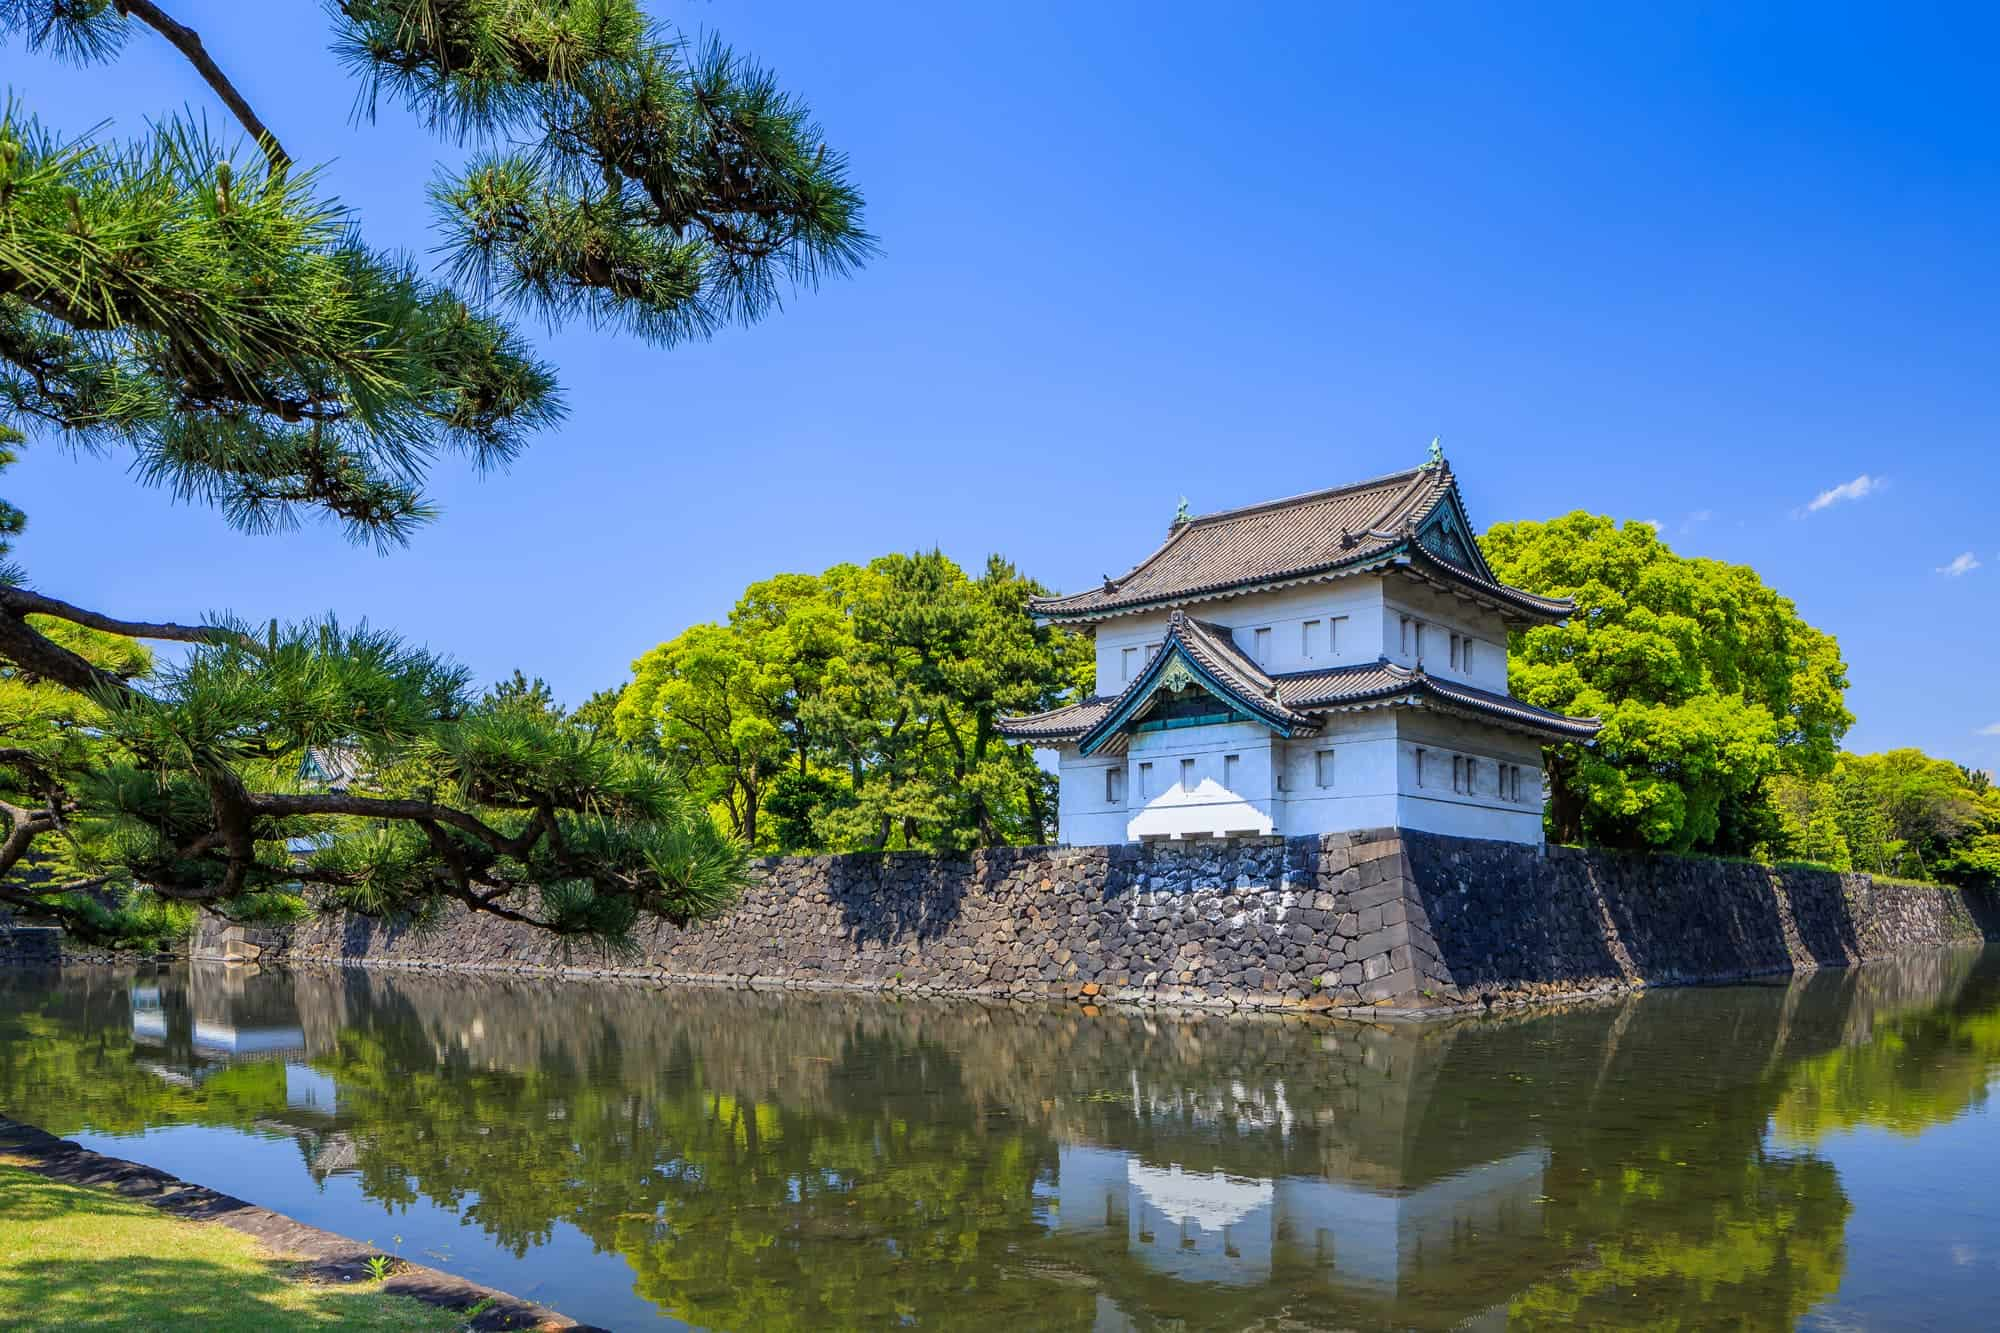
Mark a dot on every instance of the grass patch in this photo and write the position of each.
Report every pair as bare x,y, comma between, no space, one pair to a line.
74,1258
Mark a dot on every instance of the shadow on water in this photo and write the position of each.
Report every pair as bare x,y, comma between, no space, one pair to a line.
749,1161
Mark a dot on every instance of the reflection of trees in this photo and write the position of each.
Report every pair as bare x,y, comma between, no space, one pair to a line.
732,1213
1701,1214
1921,1070
1690,1227
778,1162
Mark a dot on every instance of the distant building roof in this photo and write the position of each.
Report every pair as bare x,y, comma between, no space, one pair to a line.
1413,520
1196,653
334,767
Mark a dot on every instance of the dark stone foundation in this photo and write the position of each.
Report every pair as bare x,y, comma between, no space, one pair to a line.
1381,919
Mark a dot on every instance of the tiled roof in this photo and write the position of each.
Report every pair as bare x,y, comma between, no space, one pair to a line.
1377,682
1058,725
1318,533
1301,695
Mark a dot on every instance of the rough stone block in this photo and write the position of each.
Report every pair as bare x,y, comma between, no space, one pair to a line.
1390,988
1381,941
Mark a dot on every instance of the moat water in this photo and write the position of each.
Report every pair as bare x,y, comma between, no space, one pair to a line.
1820,1153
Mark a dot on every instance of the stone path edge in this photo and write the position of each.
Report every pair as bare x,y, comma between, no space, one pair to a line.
328,1257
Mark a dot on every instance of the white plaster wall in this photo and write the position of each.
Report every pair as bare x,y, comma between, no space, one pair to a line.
1444,616
1284,612
1363,794
1433,814
1275,788
1482,812
1084,818
1210,807
1115,636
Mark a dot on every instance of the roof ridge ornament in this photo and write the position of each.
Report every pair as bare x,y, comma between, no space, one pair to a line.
1436,459
1181,515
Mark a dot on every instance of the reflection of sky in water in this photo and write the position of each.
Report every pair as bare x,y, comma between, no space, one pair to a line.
1924,1239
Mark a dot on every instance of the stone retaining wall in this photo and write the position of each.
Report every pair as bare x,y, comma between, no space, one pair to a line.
1393,918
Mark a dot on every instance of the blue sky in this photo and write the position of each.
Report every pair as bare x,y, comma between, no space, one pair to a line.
1699,265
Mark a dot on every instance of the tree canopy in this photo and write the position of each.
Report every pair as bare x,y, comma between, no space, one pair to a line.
1709,683
203,304
855,709
1897,813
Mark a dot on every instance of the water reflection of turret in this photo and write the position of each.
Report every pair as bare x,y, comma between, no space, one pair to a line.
190,1024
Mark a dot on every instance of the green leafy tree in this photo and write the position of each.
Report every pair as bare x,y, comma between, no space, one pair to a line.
204,307
519,693
1709,683
855,709
1904,813
597,714
1809,822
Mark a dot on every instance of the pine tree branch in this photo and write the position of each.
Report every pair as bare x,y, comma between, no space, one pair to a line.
279,805
22,602
43,657
24,826
188,42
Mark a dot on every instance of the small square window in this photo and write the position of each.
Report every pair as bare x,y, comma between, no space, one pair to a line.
1472,777
1312,640
1114,786
1261,645
1187,775
1333,632
1145,782
1465,656
1129,662
1323,768
1454,652
1458,773
1422,755
1230,763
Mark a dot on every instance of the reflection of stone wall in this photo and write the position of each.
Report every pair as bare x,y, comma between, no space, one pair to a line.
1345,920
1381,1106
29,946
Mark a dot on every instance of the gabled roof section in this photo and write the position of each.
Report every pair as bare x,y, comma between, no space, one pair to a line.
1193,654
1411,517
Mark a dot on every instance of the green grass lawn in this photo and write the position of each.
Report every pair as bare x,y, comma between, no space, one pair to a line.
75,1258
